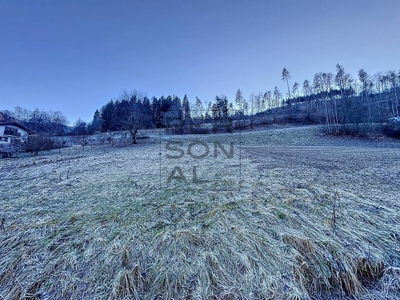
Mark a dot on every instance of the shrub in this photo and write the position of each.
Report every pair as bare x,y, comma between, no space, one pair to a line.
37,142
200,130
9,149
392,130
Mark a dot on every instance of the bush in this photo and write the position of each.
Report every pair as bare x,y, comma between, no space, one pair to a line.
9,149
36,143
392,130
200,130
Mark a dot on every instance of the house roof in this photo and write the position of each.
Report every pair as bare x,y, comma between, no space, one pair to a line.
16,125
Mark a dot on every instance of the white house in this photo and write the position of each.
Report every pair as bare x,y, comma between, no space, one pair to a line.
12,130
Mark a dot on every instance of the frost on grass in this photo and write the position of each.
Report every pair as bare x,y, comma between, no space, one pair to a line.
294,221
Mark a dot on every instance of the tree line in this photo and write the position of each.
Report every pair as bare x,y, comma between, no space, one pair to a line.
38,121
133,111
345,104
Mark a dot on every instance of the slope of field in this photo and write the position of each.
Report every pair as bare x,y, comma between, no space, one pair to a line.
288,214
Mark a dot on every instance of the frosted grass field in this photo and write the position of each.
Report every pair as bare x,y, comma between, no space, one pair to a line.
292,215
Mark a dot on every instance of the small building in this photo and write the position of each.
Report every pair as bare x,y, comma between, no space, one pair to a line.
10,131
13,130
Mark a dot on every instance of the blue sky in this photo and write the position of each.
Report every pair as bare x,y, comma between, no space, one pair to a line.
74,56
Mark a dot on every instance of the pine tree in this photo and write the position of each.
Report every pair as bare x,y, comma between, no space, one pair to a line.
285,77
186,109
199,109
239,100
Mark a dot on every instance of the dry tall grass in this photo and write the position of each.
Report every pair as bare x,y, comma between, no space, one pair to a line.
109,232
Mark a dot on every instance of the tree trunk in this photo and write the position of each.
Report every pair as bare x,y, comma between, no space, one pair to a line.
290,97
133,134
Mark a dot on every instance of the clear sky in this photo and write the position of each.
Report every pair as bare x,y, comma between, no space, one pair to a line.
76,55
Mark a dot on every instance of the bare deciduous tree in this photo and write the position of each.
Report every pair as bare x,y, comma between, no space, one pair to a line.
38,142
57,119
134,117
343,81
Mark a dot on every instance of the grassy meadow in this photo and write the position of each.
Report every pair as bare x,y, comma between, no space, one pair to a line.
288,214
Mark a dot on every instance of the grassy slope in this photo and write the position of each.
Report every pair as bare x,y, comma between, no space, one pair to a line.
115,229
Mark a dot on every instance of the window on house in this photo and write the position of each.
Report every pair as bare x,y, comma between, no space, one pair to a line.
10,131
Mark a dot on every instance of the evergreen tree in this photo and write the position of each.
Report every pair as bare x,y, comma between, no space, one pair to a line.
108,114
285,77
186,110
96,124
239,101
156,112
199,109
